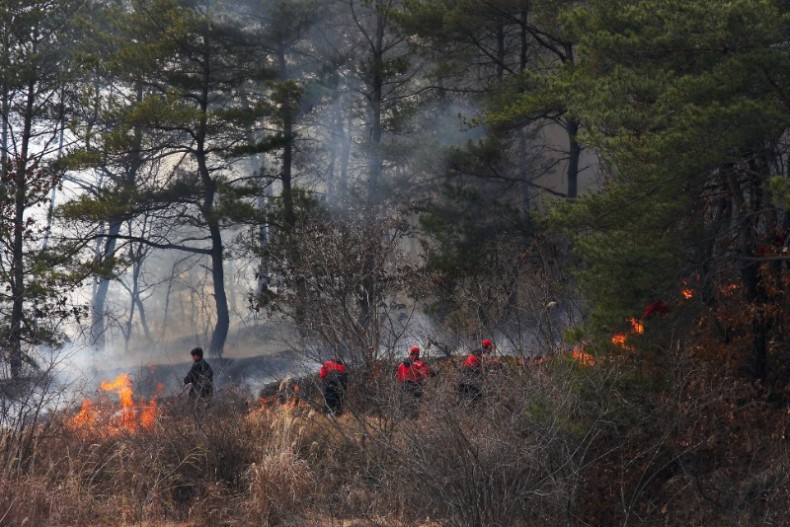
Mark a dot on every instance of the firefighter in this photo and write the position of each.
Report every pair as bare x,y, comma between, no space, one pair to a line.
334,378
412,372
473,370
200,377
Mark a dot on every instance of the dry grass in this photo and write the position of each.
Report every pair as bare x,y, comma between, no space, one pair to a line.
532,454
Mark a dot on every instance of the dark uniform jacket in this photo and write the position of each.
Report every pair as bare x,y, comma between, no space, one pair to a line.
202,378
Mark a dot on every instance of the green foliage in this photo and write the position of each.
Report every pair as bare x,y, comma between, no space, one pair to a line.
189,93
779,186
627,243
463,238
108,204
41,69
672,95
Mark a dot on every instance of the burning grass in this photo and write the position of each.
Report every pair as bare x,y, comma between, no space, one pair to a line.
108,464
108,418
543,434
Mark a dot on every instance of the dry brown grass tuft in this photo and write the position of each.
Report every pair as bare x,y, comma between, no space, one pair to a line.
542,446
280,487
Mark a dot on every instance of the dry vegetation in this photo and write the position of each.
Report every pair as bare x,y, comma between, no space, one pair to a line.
552,443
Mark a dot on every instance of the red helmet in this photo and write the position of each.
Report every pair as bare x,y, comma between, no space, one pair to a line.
486,344
414,350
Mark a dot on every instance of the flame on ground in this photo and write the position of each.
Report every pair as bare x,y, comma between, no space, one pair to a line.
86,417
618,339
638,324
728,289
582,357
637,328
110,421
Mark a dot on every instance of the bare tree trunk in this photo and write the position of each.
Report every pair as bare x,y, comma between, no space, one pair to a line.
99,300
341,148
128,180
136,303
5,106
222,326
18,264
286,170
376,101
54,192
216,253
572,128
345,155
755,292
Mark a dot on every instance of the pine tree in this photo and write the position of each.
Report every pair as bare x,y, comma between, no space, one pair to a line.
37,63
197,91
685,105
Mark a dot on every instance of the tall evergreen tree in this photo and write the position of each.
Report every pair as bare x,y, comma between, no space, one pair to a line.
686,103
36,65
110,159
201,82
499,63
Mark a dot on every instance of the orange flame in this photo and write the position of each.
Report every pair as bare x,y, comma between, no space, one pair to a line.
582,357
148,413
728,289
618,339
638,325
131,416
637,328
86,417
123,386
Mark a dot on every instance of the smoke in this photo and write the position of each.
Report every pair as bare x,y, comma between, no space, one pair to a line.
327,57
254,357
